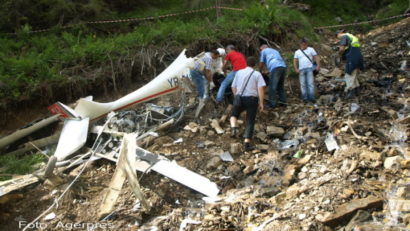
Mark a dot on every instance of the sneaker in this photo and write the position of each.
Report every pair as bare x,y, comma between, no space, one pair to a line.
247,147
234,131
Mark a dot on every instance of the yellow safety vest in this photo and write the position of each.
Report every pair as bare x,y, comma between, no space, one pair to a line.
354,41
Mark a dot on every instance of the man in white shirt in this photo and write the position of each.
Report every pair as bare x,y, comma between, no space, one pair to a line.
305,61
250,85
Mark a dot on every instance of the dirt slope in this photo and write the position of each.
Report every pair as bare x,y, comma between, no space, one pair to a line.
292,181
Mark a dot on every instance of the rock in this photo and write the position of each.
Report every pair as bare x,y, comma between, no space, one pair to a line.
275,131
345,211
376,227
302,175
406,219
262,136
249,166
399,205
209,143
304,160
360,217
215,125
326,99
233,169
263,147
335,73
405,120
236,148
289,172
403,192
193,127
324,71
210,133
393,163
347,192
370,156
164,140
214,162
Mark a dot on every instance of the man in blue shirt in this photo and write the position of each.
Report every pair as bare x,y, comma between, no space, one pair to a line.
273,61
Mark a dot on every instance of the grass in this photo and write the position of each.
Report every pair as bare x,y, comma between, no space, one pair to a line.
31,60
11,164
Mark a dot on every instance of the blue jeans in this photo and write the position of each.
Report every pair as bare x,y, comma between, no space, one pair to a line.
277,86
199,81
307,85
225,84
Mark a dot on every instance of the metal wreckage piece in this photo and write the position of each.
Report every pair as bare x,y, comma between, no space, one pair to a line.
144,123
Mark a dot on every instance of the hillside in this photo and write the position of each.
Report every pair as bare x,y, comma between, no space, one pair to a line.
294,180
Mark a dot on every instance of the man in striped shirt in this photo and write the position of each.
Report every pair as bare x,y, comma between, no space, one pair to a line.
201,73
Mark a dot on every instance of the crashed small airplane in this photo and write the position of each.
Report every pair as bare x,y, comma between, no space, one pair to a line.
77,122
75,130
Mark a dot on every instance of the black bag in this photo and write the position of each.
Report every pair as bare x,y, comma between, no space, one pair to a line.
237,100
315,72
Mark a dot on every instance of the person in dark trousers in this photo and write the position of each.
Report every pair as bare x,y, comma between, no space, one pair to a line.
350,50
250,86
276,66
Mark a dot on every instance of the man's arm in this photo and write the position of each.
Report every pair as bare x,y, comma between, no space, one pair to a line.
295,65
261,96
317,60
261,66
233,90
342,49
208,75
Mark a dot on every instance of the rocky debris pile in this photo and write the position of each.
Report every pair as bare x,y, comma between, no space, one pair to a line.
387,49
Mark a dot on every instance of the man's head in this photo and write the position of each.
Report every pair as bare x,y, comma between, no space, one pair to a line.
230,48
340,33
221,51
215,54
263,47
251,61
303,44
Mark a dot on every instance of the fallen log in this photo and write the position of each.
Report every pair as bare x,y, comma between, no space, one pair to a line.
26,131
36,143
17,183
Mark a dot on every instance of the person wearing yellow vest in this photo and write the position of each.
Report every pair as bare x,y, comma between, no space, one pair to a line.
350,50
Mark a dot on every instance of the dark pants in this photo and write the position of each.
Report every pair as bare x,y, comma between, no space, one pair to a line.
354,60
277,86
250,104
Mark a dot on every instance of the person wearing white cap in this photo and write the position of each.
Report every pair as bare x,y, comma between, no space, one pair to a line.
201,73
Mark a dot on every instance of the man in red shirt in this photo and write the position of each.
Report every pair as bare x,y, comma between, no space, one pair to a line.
238,62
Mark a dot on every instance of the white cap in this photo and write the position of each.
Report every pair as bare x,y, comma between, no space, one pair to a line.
221,51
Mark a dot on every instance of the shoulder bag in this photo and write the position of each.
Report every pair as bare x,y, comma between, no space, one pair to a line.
237,101
315,72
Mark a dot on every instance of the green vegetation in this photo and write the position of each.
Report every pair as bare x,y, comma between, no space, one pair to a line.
30,62
34,60
394,8
326,12
11,164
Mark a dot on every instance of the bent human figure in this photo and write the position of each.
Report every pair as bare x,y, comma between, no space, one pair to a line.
201,73
350,50
238,62
273,61
305,62
250,86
